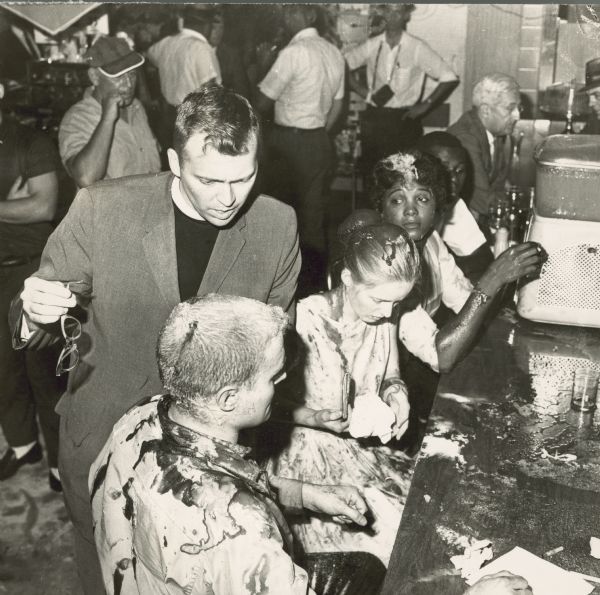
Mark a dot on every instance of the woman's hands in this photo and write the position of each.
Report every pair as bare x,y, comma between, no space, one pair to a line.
395,396
518,261
324,419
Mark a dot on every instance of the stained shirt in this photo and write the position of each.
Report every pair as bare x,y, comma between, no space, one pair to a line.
185,62
403,67
448,283
306,77
177,512
134,149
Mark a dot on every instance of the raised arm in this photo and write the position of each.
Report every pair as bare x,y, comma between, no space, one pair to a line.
90,164
456,337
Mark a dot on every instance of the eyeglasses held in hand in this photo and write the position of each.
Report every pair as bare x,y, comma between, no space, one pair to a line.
69,356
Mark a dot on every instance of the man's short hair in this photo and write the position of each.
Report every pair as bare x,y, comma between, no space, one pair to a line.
213,341
226,118
492,87
438,139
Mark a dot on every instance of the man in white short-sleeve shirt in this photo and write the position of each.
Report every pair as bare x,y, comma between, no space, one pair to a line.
186,61
305,86
397,64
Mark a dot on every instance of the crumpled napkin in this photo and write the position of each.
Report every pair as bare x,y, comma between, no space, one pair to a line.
476,554
371,417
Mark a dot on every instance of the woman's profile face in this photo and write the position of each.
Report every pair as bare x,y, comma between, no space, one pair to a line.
373,303
411,207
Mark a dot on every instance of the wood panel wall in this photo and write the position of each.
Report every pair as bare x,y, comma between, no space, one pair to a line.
493,42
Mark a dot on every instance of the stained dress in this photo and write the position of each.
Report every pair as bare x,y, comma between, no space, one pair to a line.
368,352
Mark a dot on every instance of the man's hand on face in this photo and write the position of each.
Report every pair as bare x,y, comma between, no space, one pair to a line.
501,583
110,107
343,503
44,301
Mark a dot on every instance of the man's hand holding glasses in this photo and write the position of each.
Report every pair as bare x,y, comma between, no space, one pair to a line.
45,302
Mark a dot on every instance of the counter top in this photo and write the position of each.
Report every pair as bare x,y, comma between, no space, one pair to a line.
491,465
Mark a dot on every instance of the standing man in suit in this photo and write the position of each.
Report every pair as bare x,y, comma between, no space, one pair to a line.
484,132
135,247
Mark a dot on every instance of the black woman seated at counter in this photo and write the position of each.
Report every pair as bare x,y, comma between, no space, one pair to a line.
409,190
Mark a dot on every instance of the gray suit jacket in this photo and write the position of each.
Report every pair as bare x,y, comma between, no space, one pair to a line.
118,239
484,185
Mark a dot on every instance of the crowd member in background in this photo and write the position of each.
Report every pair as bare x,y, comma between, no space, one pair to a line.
457,226
484,132
198,513
306,87
185,60
592,88
134,248
231,63
106,134
397,64
29,164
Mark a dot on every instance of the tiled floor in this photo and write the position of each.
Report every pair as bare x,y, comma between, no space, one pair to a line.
35,536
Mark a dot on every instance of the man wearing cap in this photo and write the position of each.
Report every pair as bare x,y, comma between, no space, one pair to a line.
106,134
592,88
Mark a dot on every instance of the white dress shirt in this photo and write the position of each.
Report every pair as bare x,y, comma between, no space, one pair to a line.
460,230
304,81
185,62
407,65
449,285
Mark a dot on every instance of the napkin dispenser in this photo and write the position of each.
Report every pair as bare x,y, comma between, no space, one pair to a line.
566,222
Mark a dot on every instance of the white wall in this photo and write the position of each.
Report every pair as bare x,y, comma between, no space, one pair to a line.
444,28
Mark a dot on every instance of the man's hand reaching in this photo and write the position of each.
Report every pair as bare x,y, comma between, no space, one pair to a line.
343,503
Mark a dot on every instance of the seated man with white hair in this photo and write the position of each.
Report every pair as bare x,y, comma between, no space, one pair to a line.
483,132
178,505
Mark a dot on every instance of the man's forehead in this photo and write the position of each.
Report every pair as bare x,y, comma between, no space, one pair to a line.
508,98
200,145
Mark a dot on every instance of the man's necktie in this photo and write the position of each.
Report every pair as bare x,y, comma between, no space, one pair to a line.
499,160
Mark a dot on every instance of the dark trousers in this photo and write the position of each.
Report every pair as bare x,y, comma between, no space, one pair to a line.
28,381
75,459
384,131
298,164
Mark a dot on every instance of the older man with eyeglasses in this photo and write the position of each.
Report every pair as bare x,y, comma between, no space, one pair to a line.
484,132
